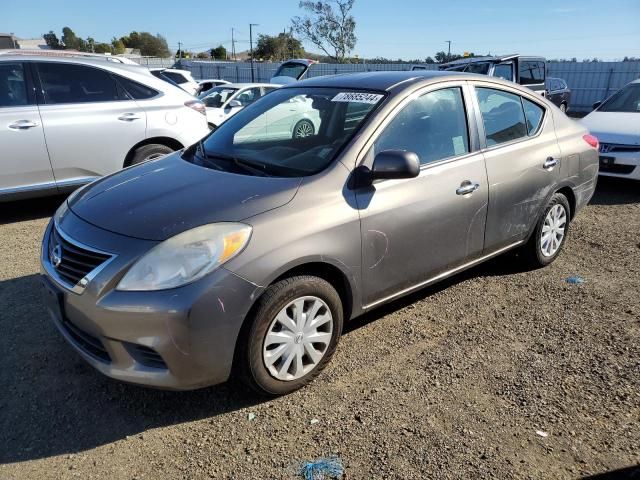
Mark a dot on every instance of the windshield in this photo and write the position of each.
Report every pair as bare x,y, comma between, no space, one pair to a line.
291,132
216,96
626,99
293,70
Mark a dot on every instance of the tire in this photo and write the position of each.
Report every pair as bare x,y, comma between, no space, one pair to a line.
149,152
255,353
304,128
563,107
538,254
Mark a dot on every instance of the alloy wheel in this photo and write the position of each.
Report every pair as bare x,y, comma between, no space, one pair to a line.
303,129
553,230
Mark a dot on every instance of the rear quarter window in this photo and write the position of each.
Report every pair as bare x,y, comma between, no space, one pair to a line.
533,113
136,90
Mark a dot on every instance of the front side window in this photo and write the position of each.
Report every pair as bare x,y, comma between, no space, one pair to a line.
217,96
68,83
249,96
625,100
433,126
532,72
502,115
264,139
13,86
504,70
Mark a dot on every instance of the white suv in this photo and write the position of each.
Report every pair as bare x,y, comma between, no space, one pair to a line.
67,121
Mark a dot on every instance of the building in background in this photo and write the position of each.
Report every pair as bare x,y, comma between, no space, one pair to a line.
10,41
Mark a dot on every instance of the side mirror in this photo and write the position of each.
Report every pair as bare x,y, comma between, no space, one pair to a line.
596,105
394,164
234,104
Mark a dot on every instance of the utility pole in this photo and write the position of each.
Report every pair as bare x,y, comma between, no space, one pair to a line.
251,25
449,52
233,45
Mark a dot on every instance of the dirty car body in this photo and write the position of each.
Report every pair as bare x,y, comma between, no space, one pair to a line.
410,178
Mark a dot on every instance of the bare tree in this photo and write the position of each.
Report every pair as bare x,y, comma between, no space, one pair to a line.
328,25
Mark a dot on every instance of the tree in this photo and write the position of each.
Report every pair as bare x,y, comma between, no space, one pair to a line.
331,30
218,53
429,60
101,47
118,46
52,40
149,45
441,57
278,47
71,41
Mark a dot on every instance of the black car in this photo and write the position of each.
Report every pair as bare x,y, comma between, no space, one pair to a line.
559,93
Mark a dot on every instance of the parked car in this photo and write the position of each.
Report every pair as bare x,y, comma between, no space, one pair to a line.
248,254
616,123
292,71
226,100
525,70
69,53
69,120
209,83
559,93
181,78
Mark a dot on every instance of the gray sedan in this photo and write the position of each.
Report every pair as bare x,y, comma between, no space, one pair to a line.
247,253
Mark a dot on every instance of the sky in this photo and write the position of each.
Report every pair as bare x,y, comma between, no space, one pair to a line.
405,29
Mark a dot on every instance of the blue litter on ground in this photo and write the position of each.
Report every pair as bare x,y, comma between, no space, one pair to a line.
575,280
322,469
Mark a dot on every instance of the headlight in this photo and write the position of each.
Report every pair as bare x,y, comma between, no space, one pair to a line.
186,257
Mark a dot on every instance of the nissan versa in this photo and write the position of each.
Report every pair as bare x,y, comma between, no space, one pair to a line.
246,253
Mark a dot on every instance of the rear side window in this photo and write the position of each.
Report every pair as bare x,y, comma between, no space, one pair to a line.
504,71
434,126
502,115
68,83
533,113
136,90
13,86
531,72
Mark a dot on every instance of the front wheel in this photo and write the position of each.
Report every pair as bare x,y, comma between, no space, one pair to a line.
304,128
293,333
552,228
150,152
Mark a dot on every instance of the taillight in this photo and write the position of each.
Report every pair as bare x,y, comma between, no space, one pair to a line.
197,105
591,140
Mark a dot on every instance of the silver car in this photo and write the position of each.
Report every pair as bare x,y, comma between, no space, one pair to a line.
247,253
65,121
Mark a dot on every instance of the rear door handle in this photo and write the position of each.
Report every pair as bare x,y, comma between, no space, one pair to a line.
22,125
467,187
549,163
129,117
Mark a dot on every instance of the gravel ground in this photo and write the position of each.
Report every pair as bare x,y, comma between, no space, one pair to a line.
452,382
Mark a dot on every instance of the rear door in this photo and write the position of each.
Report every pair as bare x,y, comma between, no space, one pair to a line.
522,157
89,122
414,229
24,160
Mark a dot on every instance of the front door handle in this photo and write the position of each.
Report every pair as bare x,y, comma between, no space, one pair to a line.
549,163
128,117
467,187
22,125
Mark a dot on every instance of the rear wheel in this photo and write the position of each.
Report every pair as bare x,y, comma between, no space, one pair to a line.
563,107
293,333
547,241
150,152
304,128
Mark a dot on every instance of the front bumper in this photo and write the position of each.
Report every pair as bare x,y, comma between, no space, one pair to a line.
620,164
182,338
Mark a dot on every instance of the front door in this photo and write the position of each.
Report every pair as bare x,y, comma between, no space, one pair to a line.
414,229
24,163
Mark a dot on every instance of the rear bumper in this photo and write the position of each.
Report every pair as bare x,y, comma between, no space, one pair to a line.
178,339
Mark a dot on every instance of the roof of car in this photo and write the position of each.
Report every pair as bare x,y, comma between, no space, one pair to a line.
382,81
84,60
247,85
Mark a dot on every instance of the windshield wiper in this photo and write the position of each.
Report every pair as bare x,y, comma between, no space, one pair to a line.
247,165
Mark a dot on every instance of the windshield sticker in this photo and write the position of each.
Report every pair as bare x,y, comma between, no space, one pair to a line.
357,97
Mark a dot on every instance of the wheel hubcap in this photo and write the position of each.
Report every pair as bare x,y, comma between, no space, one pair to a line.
553,230
304,129
297,338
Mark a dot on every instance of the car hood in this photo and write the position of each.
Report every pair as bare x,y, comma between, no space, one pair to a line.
614,127
162,198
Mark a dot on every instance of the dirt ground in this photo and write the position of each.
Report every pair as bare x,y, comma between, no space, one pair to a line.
453,382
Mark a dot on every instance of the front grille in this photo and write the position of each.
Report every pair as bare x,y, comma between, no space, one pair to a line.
617,168
615,147
71,261
146,356
86,342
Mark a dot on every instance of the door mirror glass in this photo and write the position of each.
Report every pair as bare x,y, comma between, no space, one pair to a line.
234,104
393,164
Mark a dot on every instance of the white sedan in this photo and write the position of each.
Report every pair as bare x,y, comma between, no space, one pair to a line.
616,124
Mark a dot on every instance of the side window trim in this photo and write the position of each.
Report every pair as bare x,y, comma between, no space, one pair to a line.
480,123
471,112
